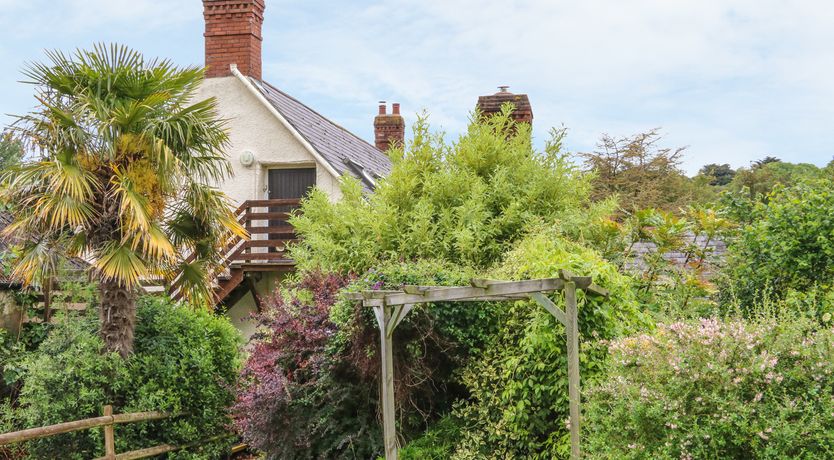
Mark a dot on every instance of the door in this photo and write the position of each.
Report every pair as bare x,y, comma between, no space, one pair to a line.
293,183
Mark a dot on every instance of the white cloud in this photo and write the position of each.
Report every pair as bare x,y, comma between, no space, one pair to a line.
724,77
733,79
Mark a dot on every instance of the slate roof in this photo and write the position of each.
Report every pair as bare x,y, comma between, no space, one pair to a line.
716,251
345,152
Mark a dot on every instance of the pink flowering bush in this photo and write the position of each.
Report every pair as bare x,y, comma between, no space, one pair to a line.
715,389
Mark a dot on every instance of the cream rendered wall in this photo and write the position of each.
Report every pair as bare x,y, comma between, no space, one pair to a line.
240,313
252,127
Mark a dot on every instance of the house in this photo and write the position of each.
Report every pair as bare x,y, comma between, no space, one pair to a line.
279,147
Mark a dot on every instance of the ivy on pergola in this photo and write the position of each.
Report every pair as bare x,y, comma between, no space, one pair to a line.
392,306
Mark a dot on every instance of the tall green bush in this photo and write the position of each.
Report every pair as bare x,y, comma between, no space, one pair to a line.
464,202
185,362
714,389
788,246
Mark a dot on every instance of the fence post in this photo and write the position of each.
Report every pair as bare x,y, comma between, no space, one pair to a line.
109,436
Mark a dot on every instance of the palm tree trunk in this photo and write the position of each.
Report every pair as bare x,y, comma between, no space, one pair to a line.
118,317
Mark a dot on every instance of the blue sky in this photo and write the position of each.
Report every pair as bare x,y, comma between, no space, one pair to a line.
732,80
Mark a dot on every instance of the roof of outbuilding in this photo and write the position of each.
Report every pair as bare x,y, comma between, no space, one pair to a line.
345,152
74,264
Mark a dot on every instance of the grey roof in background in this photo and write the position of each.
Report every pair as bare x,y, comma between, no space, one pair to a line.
716,251
345,152
74,264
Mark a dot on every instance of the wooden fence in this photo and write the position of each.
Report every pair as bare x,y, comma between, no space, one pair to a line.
108,420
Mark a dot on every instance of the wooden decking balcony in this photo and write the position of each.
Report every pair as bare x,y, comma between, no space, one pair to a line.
264,251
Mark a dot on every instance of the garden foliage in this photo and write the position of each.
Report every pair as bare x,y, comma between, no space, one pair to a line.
713,389
518,387
310,386
445,214
787,249
185,362
682,285
464,203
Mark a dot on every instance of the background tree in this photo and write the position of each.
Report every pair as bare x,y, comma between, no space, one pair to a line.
639,172
787,246
11,151
765,161
719,174
763,175
124,162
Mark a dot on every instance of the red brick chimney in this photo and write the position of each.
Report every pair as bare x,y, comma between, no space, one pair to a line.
491,105
389,130
233,36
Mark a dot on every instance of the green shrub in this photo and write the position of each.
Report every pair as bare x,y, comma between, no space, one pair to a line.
464,203
713,389
10,421
185,362
789,245
437,443
518,399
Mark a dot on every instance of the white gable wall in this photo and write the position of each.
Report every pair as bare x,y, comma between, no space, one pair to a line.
253,127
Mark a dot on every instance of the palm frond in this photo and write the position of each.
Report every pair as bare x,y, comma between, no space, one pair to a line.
194,280
63,210
34,262
118,262
154,243
133,210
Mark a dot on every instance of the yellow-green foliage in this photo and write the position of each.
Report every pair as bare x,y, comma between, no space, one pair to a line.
464,202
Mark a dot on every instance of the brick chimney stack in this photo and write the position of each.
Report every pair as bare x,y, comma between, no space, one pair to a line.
389,129
233,36
491,105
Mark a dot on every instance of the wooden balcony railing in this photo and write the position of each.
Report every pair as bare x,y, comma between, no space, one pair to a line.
269,234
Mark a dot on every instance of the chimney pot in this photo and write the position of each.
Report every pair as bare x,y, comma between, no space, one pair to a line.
389,130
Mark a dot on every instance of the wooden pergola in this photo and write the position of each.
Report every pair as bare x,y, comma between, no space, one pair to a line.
391,307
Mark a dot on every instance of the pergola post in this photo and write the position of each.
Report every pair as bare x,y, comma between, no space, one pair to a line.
383,316
572,330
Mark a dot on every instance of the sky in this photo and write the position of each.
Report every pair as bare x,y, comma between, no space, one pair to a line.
733,81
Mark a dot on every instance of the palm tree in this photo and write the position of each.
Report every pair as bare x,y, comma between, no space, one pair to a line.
125,165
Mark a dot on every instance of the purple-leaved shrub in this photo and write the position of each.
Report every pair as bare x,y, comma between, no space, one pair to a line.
288,405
